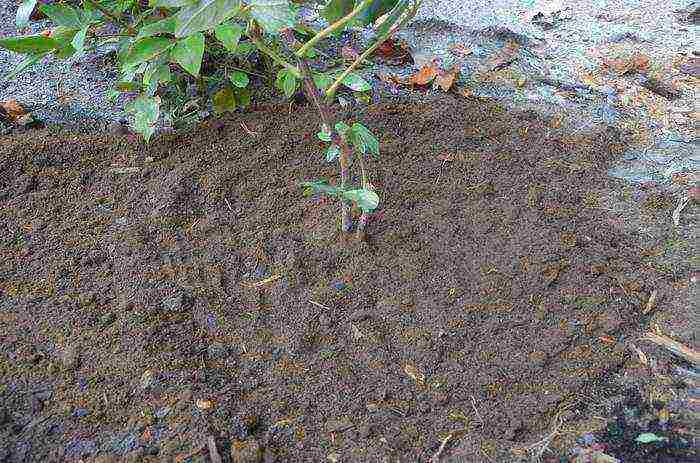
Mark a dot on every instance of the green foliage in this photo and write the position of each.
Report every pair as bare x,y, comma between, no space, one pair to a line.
164,44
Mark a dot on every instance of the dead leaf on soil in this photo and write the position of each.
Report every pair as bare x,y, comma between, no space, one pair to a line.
651,303
621,66
425,75
445,79
414,373
13,109
460,50
349,53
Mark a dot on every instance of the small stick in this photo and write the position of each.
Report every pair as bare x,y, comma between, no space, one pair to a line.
319,305
477,411
247,130
436,457
685,352
213,451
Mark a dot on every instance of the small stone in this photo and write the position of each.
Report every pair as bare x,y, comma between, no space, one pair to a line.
204,404
333,457
70,357
246,451
147,379
117,128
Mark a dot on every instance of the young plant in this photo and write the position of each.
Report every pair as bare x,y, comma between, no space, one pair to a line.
162,43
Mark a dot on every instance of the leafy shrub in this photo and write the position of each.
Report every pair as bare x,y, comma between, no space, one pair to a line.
163,44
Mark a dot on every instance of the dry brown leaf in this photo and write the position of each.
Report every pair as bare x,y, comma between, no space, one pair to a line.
461,50
414,373
651,303
425,75
445,79
13,109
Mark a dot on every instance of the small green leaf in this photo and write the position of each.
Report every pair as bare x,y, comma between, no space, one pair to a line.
289,84
322,81
224,100
324,136
367,200
164,26
62,15
229,35
337,9
322,187
273,15
342,128
24,11
146,49
332,153
648,437
204,15
156,73
29,44
375,10
356,82
78,41
243,97
146,111
245,48
169,3
189,52
364,140
239,79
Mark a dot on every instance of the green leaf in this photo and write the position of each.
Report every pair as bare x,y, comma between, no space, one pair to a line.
156,73
189,52
243,97
342,128
245,48
337,9
164,26
24,12
62,15
322,187
324,136
367,200
392,18
78,41
375,10
146,111
239,79
648,437
204,15
322,81
273,15
356,82
146,49
332,153
364,140
29,44
24,64
286,82
224,100
229,35
169,3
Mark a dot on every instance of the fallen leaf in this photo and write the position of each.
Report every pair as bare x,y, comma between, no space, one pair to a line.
204,404
460,50
446,157
414,373
425,75
651,303
13,109
606,339
445,79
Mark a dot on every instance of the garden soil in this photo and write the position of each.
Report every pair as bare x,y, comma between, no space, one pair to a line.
184,301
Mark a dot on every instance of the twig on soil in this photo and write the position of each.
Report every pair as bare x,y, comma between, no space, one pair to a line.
229,205
651,303
536,450
319,305
247,130
436,457
685,352
262,282
676,216
477,411
213,451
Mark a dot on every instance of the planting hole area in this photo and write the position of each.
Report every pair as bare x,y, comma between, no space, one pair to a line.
157,294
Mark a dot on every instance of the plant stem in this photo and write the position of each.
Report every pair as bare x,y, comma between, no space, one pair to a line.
275,57
332,28
330,93
112,17
362,223
345,150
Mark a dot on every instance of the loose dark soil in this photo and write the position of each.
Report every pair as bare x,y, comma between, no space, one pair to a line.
492,299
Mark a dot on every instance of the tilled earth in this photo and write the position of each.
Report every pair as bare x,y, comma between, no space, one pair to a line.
154,297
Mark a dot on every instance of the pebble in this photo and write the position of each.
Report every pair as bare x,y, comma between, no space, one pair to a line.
70,357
